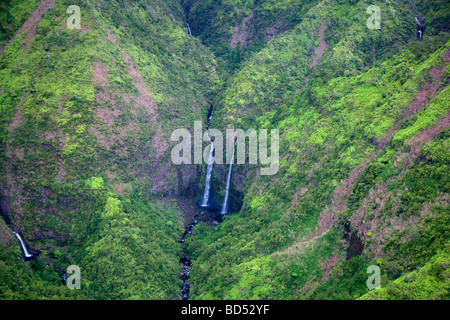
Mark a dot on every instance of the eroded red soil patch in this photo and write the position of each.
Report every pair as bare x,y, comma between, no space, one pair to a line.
429,90
107,116
380,195
422,98
321,48
13,189
242,33
144,99
100,77
29,27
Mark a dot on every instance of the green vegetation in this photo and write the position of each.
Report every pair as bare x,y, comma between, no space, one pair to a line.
330,125
83,142
85,123
431,282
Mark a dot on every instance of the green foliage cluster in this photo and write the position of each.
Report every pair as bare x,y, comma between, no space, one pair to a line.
133,254
80,163
431,282
30,280
85,183
214,22
13,14
332,119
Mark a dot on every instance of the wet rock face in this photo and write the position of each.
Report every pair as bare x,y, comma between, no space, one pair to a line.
185,291
184,275
355,245
212,217
4,212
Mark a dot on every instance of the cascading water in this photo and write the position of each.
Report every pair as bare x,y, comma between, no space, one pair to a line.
208,177
209,167
26,253
185,261
227,189
5,216
189,29
210,114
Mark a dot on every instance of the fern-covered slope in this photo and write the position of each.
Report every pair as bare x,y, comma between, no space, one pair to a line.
363,116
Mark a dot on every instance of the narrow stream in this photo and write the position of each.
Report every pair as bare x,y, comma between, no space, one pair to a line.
205,202
186,262
189,29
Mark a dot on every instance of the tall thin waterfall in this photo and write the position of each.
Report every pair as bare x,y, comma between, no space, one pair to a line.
189,29
209,166
27,254
208,177
227,189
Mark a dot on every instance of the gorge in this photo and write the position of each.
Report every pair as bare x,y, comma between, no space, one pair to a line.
206,209
87,176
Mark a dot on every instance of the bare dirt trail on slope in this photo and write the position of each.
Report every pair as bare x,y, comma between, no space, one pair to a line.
145,99
328,217
322,46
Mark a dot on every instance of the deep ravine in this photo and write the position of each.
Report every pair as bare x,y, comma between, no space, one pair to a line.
185,261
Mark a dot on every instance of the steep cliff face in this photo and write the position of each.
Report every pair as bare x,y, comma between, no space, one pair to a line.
87,115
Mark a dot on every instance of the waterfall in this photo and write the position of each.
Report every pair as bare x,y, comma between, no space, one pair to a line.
208,176
227,189
27,254
210,163
189,29
210,114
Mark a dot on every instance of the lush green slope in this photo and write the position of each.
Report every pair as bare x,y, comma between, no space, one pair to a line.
86,117
234,29
431,282
86,176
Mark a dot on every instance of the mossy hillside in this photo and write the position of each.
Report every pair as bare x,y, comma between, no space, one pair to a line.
13,15
273,215
328,129
67,159
241,28
346,114
431,282
284,63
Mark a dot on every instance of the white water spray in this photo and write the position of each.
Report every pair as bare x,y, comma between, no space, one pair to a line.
189,29
210,164
27,254
208,176
227,189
